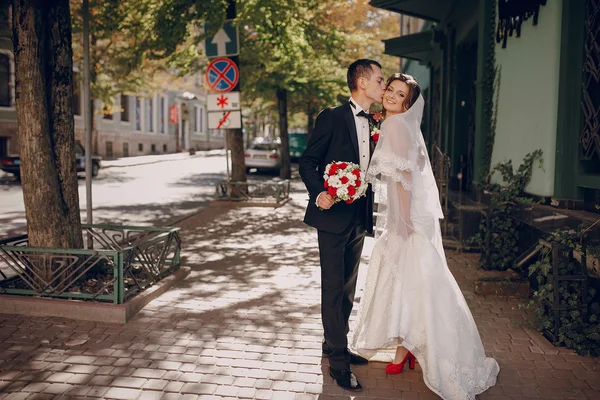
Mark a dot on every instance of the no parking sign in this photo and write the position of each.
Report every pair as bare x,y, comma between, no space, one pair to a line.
222,75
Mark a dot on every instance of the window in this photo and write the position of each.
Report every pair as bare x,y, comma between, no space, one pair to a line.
125,149
162,112
5,21
265,146
138,114
107,112
201,119
140,147
124,108
5,78
150,115
3,146
153,148
76,93
164,148
109,149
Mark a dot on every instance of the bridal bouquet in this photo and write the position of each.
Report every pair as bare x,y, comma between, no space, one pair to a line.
344,181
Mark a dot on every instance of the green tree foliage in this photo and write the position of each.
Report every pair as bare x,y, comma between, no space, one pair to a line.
133,40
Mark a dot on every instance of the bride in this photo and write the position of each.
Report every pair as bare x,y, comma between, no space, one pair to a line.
411,300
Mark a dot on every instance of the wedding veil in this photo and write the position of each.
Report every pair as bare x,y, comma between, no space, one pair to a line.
406,194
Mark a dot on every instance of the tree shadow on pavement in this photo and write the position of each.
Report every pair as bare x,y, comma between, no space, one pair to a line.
158,214
248,314
251,306
107,176
12,224
198,180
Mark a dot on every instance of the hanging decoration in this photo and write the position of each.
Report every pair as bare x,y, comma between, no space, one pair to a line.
589,139
512,14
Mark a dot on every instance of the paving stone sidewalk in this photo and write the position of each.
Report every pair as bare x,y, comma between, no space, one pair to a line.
246,325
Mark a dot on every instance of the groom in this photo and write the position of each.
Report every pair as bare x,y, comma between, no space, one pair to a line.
341,134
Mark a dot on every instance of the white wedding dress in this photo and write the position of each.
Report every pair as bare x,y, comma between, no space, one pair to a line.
410,296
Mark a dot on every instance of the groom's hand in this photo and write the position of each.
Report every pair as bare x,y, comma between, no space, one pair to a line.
324,200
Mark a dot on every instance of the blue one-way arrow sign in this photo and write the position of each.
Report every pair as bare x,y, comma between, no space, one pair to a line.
224,43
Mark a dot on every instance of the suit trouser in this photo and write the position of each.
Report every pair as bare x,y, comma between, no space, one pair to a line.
340,258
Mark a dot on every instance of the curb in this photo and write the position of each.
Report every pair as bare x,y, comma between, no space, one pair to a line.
87,310
160,161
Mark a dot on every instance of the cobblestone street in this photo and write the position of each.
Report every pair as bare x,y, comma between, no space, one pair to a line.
246,324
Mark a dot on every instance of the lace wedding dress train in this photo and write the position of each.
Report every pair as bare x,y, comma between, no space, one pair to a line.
411,298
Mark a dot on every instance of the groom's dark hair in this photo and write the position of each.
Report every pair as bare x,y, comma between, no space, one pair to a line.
358,69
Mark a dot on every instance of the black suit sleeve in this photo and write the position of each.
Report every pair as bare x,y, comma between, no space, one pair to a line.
315,153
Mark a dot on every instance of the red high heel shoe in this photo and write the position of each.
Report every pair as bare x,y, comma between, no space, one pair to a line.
395,369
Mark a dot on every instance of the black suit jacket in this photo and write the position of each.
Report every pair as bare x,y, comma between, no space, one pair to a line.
333,139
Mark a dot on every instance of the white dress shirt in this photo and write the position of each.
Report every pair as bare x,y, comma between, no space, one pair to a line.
363,135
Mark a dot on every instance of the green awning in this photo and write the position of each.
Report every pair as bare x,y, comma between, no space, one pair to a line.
433,10
414,47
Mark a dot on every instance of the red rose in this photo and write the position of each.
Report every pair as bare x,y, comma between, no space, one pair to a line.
349,201
333,170
344,180
356,173
351,190
377,116
332,191
357,184
375,137
325,184
342,165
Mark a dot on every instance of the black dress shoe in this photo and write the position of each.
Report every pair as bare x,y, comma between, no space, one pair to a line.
355,359
345,379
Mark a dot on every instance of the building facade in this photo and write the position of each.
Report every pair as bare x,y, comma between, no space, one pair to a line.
502,81
134,125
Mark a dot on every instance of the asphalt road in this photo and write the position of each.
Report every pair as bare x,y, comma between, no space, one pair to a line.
146,194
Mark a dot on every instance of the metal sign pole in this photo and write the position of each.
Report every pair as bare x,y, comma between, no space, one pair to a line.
87,116
227,137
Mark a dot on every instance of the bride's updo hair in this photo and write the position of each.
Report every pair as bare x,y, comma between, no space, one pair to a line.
414,90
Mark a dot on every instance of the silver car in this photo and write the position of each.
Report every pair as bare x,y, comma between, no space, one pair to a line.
263,154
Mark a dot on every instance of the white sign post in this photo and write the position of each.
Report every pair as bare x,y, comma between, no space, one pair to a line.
225,120
224,43
223,101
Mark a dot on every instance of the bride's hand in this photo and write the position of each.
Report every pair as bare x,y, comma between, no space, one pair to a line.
421,161
404,230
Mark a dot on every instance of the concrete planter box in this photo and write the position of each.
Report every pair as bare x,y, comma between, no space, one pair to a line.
124,263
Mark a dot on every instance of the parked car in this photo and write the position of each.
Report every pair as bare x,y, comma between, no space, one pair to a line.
263,154
12,164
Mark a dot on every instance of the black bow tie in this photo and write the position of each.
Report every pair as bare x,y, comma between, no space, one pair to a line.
362,113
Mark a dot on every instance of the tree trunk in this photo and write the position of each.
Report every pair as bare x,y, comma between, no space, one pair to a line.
44,66
286,171
235,141
310,112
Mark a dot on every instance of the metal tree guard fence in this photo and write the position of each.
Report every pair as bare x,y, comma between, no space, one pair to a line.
563,254
277,191
127,260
